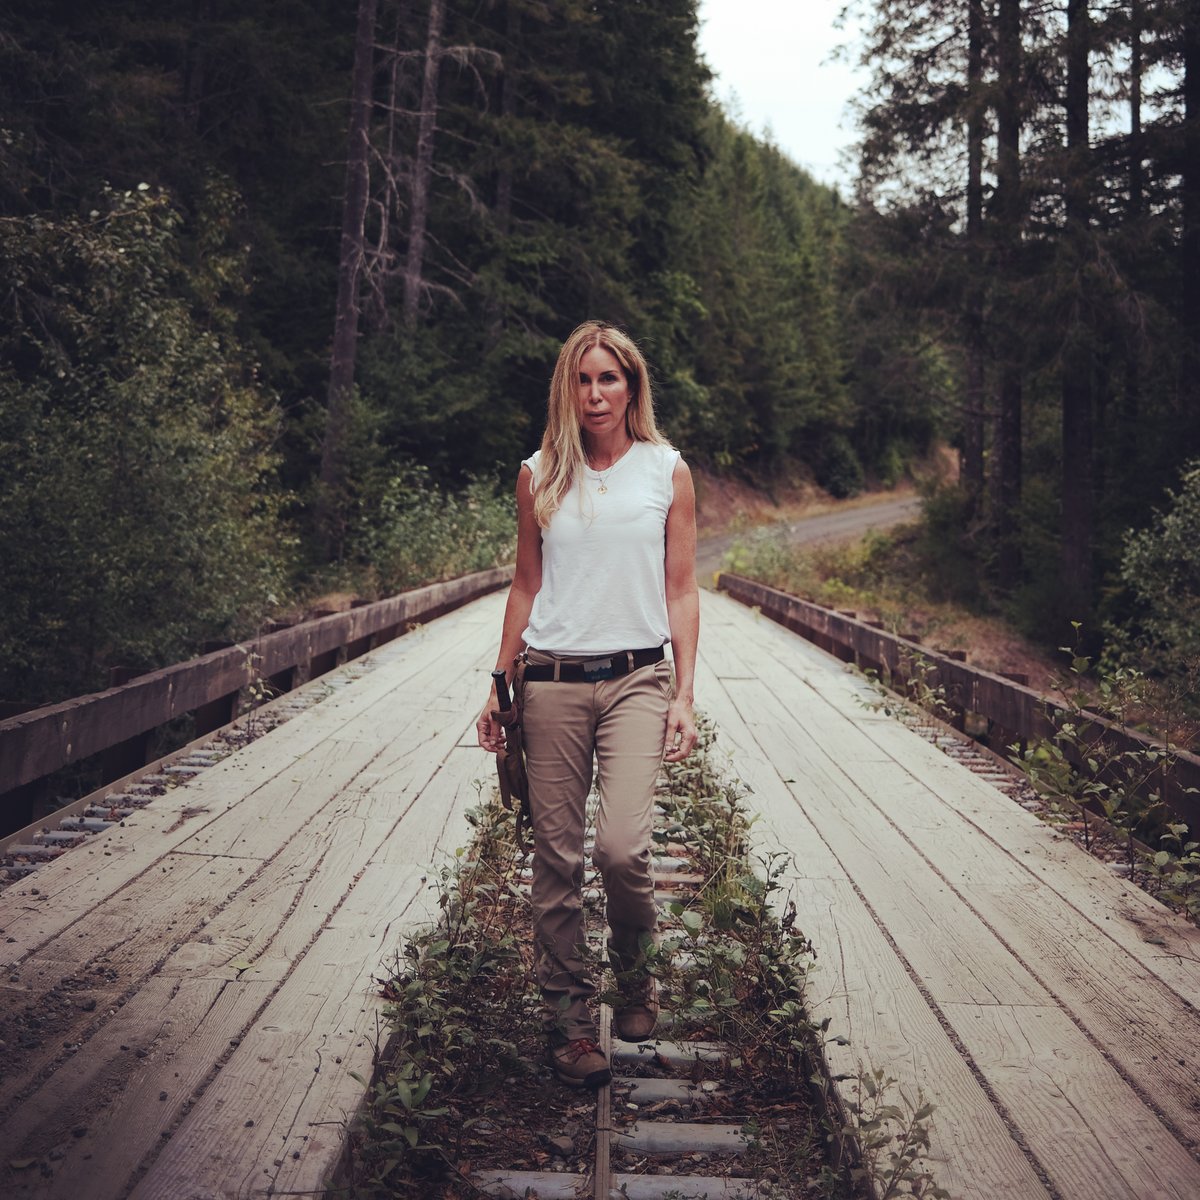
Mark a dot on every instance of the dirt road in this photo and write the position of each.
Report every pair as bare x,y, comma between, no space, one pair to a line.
837,525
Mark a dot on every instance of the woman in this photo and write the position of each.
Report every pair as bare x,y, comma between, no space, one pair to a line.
605,576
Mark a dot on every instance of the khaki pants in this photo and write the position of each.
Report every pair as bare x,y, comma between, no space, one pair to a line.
622,722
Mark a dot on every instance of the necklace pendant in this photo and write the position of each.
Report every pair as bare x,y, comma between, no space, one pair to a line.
601,490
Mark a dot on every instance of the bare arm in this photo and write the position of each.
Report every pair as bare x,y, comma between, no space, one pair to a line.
527,582
683,612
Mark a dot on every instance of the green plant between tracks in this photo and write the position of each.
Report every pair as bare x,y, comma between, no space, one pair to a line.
457,992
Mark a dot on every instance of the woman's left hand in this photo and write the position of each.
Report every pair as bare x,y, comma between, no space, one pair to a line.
681,731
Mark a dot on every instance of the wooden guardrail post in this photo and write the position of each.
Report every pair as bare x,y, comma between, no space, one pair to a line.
360,646
218,712
122,758
283,681
322,664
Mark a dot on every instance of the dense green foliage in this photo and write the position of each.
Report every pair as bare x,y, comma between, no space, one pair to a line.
1155,613
167,348
137,508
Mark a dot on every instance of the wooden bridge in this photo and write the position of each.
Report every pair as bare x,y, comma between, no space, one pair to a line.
184,998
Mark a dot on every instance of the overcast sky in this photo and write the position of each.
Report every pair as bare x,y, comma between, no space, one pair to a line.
772,64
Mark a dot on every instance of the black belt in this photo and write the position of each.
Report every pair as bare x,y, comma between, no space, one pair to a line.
592,670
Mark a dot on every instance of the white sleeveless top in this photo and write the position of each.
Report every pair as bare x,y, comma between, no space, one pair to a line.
603,558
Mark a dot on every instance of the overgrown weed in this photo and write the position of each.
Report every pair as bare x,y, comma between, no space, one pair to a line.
458,994
1080,771
892,1132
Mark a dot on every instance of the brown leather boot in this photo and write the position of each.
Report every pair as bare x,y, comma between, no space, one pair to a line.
580,1063
636,1013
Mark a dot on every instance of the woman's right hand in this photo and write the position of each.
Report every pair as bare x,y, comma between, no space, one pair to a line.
488,729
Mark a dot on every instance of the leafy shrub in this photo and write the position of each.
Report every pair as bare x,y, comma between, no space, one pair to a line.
838,470
421,534
893,464
1160,573
834,575
139,511
946,545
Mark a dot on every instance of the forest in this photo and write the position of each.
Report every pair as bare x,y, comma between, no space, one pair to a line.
284,283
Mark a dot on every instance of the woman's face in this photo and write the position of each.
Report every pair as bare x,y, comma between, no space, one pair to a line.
602,391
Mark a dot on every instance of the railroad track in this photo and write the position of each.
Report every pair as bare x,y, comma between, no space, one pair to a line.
684,1115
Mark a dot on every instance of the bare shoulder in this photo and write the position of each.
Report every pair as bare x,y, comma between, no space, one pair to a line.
524,485
681,480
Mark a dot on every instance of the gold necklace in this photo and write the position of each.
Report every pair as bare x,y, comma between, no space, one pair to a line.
602,490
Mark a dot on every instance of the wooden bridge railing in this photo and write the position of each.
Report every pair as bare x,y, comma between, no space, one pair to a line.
118,723
1015,713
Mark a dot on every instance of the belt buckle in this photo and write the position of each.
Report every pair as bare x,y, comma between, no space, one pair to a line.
597,669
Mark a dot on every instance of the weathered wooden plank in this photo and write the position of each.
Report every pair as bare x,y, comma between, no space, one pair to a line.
435,684
434,825
788,662
74,985
1167,945
860,985
258,938
720,642
951,949
307,771
1146,1028
75,889
424,647
1070,957
286,1089
318,812
73,884
1010,705
1080,1118
863,988
839,684
806,695
325,803
1163,943
127,1091
768,799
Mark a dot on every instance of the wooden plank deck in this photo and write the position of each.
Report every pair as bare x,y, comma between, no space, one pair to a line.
229,934
1045,1006
202,979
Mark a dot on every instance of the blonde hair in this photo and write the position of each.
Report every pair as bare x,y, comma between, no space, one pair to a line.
562,458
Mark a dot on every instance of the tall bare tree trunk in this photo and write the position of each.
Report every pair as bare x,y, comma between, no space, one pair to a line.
1132,401
1008,205
975,406
502,213
1189,248
378,260
1078,365
423,165
330,508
